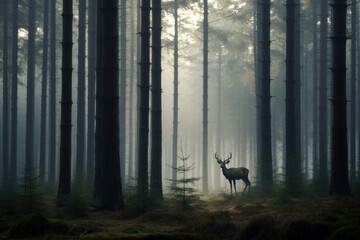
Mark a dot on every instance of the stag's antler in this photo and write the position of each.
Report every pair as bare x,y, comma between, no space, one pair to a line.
230,156
217,158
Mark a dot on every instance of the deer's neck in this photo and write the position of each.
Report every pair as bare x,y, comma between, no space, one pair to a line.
226,172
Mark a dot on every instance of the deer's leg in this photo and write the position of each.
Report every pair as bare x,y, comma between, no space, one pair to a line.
234,181
247,184
230,187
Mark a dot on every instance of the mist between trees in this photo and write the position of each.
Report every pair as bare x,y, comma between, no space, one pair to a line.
128,81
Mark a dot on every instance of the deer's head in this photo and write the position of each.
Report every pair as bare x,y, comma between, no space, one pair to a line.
223,162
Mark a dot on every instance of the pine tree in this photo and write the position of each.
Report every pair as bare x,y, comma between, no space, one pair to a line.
6,112
80,138
44,84
180,186
339,182
14,96
205,97
156,191
52,95
109,170
30,96
143,185
266,155
66,103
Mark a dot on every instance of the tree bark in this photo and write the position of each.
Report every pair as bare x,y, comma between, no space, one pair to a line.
66,103
353,93
176,92
91,91
14,95
110,172
298,84
315,142
6,112
43,121
143,185
205,97
99,137
339,182
292,151
80,138
217,173
131,91
258,70
156,191
323,98
52,96
30,96
266,151
123,56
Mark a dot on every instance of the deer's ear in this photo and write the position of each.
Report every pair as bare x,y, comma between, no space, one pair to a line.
219,161
227,161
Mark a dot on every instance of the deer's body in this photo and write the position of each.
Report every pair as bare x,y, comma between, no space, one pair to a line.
233,174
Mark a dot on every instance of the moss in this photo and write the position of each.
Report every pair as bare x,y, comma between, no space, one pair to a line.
166,216
215,228
142,236
3,225
351,232
75,206
59,227
302,229
29,226
264,227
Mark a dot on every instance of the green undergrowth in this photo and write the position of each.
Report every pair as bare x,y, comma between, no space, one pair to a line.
76,205
215,216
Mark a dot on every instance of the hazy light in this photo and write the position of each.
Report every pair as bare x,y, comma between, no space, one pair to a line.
23,33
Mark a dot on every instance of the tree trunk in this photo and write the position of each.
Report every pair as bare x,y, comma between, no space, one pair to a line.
52,96
143,185
14,95
305,110
66,103
339,182
99,137
123,58
219,139
315,142
353,129
43,120
131,91
138,82
91,91
156,191
258,70
358,102
266,154
323,98
298,83
6,112
292,150
205,97
176,92
110,172
30,96
80,138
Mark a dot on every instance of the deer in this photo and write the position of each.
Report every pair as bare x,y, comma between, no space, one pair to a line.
233,174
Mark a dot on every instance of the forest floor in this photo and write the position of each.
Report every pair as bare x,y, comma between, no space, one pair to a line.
214,216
